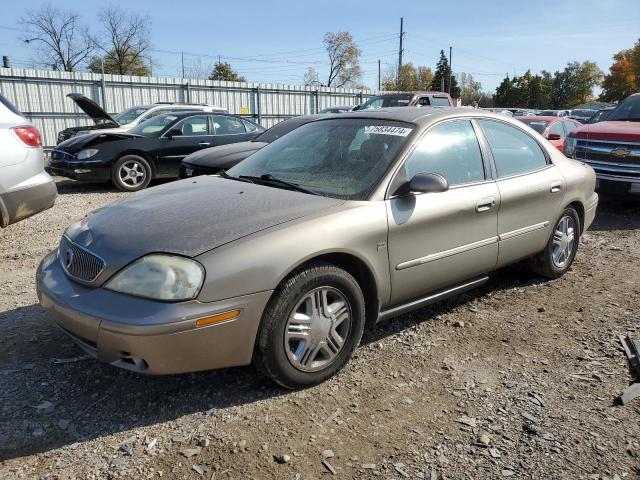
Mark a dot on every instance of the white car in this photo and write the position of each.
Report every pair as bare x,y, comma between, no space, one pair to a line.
127,120
25,188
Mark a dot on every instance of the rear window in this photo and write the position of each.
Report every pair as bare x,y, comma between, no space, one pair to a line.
9,105
440,101
537,125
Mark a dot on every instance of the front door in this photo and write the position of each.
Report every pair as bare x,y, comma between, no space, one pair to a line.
196,135
440,239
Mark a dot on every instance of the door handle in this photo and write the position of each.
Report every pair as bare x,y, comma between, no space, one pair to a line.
485,204
204,144
556,187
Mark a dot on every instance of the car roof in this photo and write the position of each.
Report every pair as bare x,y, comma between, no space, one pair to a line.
418,92
188,113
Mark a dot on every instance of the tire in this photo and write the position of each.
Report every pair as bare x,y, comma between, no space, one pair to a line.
131,163
283,349
558,255
613,188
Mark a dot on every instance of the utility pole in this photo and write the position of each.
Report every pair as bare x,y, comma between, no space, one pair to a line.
378,74
400,50
450,71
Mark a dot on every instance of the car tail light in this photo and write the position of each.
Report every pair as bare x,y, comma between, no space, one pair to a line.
30,136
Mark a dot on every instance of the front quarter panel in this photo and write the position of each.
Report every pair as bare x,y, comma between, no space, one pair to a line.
259,262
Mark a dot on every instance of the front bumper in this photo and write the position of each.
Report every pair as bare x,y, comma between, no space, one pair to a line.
149,336
94,171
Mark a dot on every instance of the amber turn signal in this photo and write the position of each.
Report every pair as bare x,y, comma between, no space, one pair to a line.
217,318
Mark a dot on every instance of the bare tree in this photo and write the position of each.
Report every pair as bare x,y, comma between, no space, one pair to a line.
311,78
344,64
124,39
62,42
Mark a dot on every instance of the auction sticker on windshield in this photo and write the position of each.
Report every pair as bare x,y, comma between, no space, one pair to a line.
387,130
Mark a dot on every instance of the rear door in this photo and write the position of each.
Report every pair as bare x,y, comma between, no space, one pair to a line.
229,129
440,239
531,189
196,135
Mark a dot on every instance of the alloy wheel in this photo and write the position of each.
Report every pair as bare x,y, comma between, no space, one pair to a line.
563,241
132,173
317,329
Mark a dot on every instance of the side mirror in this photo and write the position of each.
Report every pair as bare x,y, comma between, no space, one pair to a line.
174,132
554,136
424,183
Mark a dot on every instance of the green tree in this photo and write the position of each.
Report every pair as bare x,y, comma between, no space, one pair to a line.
575,84
470,90
443,72
505,95
223,71
411,78
130,66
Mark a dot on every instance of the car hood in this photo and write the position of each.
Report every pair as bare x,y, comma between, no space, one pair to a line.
218,156
95,111
189,217
615,131
75,144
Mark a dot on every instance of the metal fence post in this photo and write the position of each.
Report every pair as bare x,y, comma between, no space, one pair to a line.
188,92
317,105
258,114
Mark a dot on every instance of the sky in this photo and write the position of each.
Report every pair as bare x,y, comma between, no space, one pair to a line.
275,41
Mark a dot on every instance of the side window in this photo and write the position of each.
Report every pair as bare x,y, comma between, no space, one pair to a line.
193,126
569,127
557,128
450,149
249,126
514,151
424,101
155,113
228,125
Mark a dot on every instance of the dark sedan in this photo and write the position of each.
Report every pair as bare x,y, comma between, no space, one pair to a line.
212,160
154,149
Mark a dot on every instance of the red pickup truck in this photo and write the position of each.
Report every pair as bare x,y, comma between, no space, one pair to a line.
611,147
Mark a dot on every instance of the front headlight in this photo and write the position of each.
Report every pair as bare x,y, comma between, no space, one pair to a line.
89,152
160,277
570,146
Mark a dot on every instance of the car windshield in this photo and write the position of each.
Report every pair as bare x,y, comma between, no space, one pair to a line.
439,101
155,126
400,100
339,158
280,129
629,110
537,125
130,115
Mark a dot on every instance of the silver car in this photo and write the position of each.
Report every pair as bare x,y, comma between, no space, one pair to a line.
25,188
287,257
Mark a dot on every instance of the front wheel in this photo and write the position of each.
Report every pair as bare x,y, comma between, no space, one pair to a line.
311,327
131,173
558,255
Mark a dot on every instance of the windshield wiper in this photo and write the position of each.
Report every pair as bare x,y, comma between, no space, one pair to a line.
268,178
224,174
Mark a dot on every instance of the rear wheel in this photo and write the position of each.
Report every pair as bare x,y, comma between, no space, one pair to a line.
606,187
311,326
131,173
561,249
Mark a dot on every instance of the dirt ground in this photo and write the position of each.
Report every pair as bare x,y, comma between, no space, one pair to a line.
517,379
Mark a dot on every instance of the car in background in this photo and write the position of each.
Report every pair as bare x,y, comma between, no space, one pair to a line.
407,99
215,159
555,129
524,113
582,115
288,257
611,147
601,115
127,120
553,113
154,149
25,188
338,109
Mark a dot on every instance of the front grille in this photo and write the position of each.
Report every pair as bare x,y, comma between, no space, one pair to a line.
78,262
60,155
601,151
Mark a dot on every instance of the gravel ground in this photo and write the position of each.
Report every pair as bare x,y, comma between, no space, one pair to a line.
517,379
